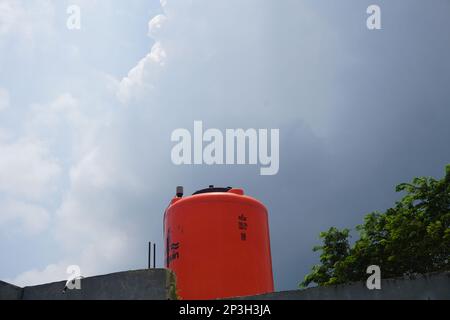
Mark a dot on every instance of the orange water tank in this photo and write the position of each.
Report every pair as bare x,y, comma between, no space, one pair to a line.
217,243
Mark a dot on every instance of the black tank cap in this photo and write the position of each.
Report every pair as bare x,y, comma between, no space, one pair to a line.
212,189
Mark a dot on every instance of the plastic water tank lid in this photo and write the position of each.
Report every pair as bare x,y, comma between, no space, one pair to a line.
213,189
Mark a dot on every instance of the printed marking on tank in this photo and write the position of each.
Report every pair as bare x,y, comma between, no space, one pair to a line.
243,226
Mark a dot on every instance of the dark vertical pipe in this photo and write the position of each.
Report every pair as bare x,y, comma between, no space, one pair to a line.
149,255
154,255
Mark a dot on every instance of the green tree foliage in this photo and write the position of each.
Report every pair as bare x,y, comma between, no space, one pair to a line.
413,237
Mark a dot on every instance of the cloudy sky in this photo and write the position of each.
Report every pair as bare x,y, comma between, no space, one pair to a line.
86,118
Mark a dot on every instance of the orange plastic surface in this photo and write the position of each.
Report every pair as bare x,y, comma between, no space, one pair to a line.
218,245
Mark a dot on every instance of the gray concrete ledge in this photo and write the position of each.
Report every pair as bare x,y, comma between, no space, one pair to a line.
435,286
159,284
10,292
151,284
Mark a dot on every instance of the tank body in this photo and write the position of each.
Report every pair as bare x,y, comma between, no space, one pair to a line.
218,245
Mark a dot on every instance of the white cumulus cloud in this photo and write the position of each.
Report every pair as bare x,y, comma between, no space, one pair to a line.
23,217
27,169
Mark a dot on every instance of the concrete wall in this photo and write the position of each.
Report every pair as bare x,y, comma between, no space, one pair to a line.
159,284
424,287
10,292
151,284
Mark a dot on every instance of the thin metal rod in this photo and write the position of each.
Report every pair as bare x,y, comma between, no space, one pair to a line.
149,255
154,255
